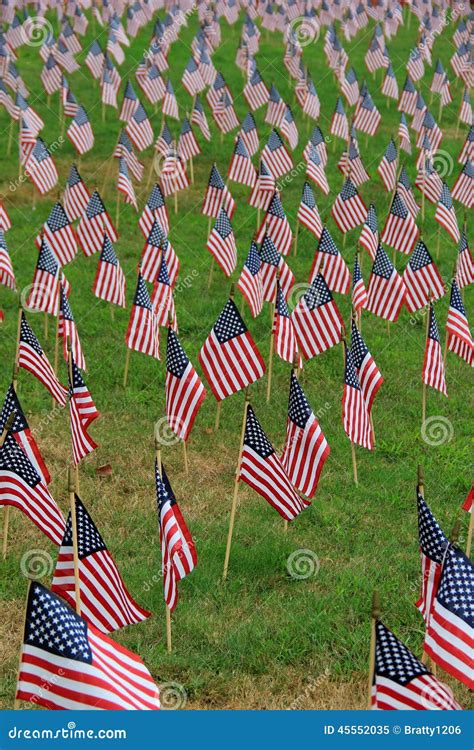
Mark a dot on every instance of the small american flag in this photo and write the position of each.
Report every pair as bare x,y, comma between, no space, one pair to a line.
264,188
433,548
59,233
198,117
400,230
249,134
408,97
241,169
80,132
105,602
178,551
7,275
315,169
367,118
221,243
109,282
152,84
184,389
404,134
308,213
20,431
402,682
390,85
368,374
76,195
143,331
449,638
94,222
262,470
387,168
155,208
187,143
348,210
5,221
463,190
273,262
355,412
82,412
306,449
41,168
445,214
276,157
329,261
162,298
32,358
459,339
250,281
124,150
369,236
125,186
339,122
44,290
139,128
256,92
276,108
288,129
284,336
67,329
229,356
151,256
465,263
359,293
405,191
422,279
317,320
276,226
170,105
386,291
192,79
217,195
95,60
74,659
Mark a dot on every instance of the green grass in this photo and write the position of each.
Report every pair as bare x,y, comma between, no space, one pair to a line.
258,639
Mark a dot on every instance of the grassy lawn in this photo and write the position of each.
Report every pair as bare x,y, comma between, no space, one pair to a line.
264,639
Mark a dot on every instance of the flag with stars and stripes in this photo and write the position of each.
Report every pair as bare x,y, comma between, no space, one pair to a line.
465,264
82,668
5,221
80,132
109,282
422,279
139,129
263,470
41,169
358,291
217,195
178,551
162,299
339,122
387,168
67,330
188,147
155,208
404,135
250,281
355,412
241,169
198,117
288,129
105,602
249,134
93,223
315,169
400,230
433,548
367,118
151,253
449,639
32,358
276,226
459,339
405,191
369,236
329,262
273,263
386,290
229,356
76,195
59,234
124,184
129,103
348,210
276,157
463,189
402,682
22,487
184,389
82,413
7,275
264,188
255,91
21,432
368,374
221,243
44,289
317,320
308,213
445,214
283,332
143,333
306,449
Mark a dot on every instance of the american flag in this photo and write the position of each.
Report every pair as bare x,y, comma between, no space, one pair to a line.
229,356
32,118
95,60
276,226
465,112
255,92
283,332
308,214
433,548
92,225
449,638
312,105
143,331
152,84
404,134
369,236
350,87
306,449
367,118
273,263
463,190
465,263
162,300
22,487
400,230
184,389
386,291
198,117
80,132
445,214
329,261
374,58
82,412
249,134
276,157
59,233
221,243
355,412
124,184
358,292
124,150
109,282
217,195
250,281
5,221
369,375
81,667
428,181
241,169
129,103
187,143
459,339
415,65
32,358
173,173
351,164
339,122
178,551
408,98
317,320
76,195
151,256
155,208
41,168
44,290
67,329
422,279
170,105
390,85
315,170
401,681
20,431
108,89
387,168
262,470
7,275
348,210
438,78
164,140
405,191
51,76
433,366
263,189
139,129
192,79
288,129
105,602
276,108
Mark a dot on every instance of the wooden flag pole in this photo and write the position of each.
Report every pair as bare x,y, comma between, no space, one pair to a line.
168,612
375,615
6,516
72,506
470,531
295,247
16,702
185,456
127,365
236,487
